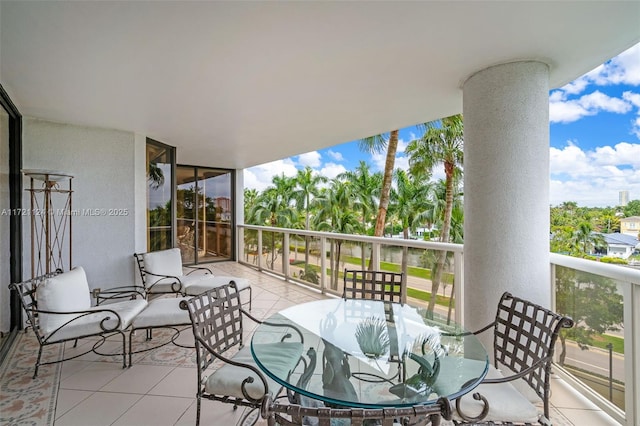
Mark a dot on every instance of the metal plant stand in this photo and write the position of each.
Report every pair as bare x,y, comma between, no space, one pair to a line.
50,220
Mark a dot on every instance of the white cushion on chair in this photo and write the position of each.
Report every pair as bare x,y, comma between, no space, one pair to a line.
161,312
227,380
65,292
164,262
505,402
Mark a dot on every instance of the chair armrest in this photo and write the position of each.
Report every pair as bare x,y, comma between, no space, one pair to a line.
519,375
118,293
109,314
177,281
198,268
230,361
274,324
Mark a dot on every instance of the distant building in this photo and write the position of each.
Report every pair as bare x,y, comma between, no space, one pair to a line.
624,198
630,226
621,245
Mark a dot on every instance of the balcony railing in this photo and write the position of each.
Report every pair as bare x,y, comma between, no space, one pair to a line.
608,378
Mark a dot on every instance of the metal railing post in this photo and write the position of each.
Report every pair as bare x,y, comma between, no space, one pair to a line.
631,302
323,263
375,256
259,250
285,254
458,286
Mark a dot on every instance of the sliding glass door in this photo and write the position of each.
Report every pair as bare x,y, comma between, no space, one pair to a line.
204,214
160,164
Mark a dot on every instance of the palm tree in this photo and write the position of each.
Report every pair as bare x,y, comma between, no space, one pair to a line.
336,214
584,239
274,208
442,142
377,144
365,187
306,187
410,204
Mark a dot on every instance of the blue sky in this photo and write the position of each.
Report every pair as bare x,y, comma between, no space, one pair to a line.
594,140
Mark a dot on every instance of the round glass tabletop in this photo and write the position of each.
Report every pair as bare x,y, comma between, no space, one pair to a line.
373,354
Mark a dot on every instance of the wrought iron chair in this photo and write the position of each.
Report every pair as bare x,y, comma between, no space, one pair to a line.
292,414
376,285
162,272
217,322
58,309
524,338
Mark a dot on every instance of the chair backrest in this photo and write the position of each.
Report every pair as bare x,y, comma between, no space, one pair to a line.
216,318
525,333
376,285
26,291
158,264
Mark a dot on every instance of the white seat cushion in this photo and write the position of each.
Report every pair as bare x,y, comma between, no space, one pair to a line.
65,292
90,324
227,380
505,402
162,312
163,262
208,282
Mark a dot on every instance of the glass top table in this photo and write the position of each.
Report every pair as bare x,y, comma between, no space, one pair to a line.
373,354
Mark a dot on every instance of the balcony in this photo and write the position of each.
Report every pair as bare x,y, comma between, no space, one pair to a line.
159,388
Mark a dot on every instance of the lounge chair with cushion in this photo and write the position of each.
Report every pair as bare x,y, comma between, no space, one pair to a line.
58,309
162,272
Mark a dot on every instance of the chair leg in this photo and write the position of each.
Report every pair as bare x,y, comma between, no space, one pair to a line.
124,350
35,373
131,347
198,404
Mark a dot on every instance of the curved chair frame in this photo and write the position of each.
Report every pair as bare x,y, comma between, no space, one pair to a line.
524,338
110,324
217,322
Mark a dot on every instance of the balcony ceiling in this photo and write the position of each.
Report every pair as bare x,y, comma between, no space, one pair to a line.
235,84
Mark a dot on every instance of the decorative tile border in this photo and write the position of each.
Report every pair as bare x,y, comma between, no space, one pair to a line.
24,400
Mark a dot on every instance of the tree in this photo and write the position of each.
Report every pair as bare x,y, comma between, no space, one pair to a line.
306,187
410,203
442,143
584,240
365,187
632,208
591,300
335,214
274,208
377,144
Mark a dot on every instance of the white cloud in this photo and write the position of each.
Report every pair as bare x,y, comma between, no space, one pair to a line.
564,107
634,99
331,170
260,177
335,155
594,178
623,69
590,104
312,159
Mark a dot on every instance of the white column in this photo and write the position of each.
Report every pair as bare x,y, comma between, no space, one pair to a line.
506,187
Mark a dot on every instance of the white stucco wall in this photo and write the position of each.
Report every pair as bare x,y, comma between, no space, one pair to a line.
5,275
103,163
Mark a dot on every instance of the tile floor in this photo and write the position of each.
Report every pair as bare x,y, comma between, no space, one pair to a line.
159,388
